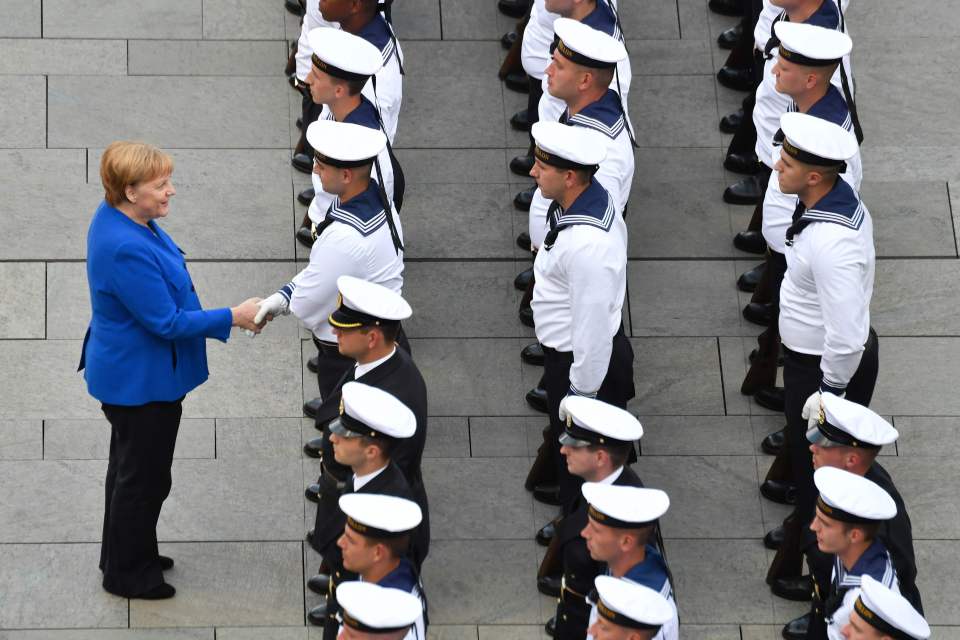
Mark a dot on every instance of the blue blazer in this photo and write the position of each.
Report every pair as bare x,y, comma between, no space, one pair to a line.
147,336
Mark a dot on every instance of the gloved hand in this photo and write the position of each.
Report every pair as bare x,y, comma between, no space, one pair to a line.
276,305
811,409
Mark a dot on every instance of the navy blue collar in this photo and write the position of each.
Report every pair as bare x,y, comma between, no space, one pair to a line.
651,573
377,32
605,115
875,562
403,577
364,115
832,108
363,212
602,18
840,206
593,207
826,16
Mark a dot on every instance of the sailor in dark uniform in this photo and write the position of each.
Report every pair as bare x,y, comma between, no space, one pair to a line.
369,425
581,284
628,610
881,612
621,525
596,442
371,611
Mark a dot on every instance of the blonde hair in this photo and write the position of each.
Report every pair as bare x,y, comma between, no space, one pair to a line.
127,163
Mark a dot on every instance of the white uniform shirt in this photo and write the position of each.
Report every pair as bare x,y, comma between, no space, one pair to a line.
357,243
826,291
778,207
537,38
312,19
876,563
581,282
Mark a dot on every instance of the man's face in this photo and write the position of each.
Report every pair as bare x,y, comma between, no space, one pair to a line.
348,451
358,554
580,460
603,542
550,179
829,456
353,343
603,629
563,77
349,633
832,536
323,90
792,174
792,79
331,178
857,629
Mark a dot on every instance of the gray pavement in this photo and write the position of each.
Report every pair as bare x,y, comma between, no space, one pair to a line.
202,78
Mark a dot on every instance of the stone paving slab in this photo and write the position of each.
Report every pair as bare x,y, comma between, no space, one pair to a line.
21,439
117,19
90,439
110,634
255,439
205,57
669,57
910,219
456,166
23,285
939,601
666,436
20,19
915,297
243,20
925,436
677,376
506,437
656,165
675,111
448,437
23,111
29,56
433,116
417,20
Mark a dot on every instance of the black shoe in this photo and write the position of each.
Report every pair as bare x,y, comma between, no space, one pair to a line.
306,196
537,399
305,236
533,354
745,163
314,448
302,162
522,281
521,165
299,123
549,586
798,589
312,493
507,40
746,191
757,313
551,626
523,199
309,537
513,8
526,316
726,7
319,583
294,7
779,492
736,78
774,538
318,615
797,628
310,408
545,535
523,240
749,280
547,494
751,242
162,591
518,82
313,363
166,563
731,122
520,121
774,443
729,38
771,398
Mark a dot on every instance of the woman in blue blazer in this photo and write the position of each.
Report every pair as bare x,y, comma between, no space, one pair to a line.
144,351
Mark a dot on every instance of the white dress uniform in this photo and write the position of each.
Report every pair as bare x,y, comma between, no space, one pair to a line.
634,606
888,612
537,38
372,609
312,19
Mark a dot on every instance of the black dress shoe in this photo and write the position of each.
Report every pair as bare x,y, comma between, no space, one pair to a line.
513,8
729,38
507,40
773,444
745,163
549,586
774,538
314,448
309,537
726,7
318,615
312,493
757,313
294,7
523,240
526,317
551,626
731,122
517,81
302,162
310,408
319,583
537,399
306,196
520,121
305,236
521,165
162,591
166,563
547,494
798,588
523,199
797,628
779,492
522,281
313,363
299,123
736,78
545,535
749,280
770,398
751,242
533,354
746,191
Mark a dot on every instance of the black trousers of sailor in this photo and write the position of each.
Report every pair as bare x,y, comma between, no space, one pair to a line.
142,440
311,113
801,378
763,368
617,389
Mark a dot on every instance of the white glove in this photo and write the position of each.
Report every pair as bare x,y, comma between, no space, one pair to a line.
275,305
811,410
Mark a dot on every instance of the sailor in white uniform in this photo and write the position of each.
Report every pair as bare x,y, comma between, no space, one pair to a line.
370,611
629,610
880,612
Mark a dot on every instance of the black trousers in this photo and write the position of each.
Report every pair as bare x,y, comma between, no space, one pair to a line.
745,138
311,113
142,439
572,618
331,365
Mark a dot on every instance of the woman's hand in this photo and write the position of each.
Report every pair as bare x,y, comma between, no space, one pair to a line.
245,313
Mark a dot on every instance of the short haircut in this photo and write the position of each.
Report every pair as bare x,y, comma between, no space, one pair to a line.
602,77
389,331
618,452
384,444
398,546
124,164
870,529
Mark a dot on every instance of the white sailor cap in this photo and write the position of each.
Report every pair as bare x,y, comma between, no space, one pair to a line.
811,46
848,424
585,45
631,605
889,612
851,498
816,141
343,55
367,304
568,147
624,507
370,608
380,516
372,412
590,422
343,144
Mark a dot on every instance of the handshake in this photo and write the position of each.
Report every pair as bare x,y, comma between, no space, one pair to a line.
253,314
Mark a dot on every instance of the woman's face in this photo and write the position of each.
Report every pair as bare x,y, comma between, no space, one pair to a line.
151,198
